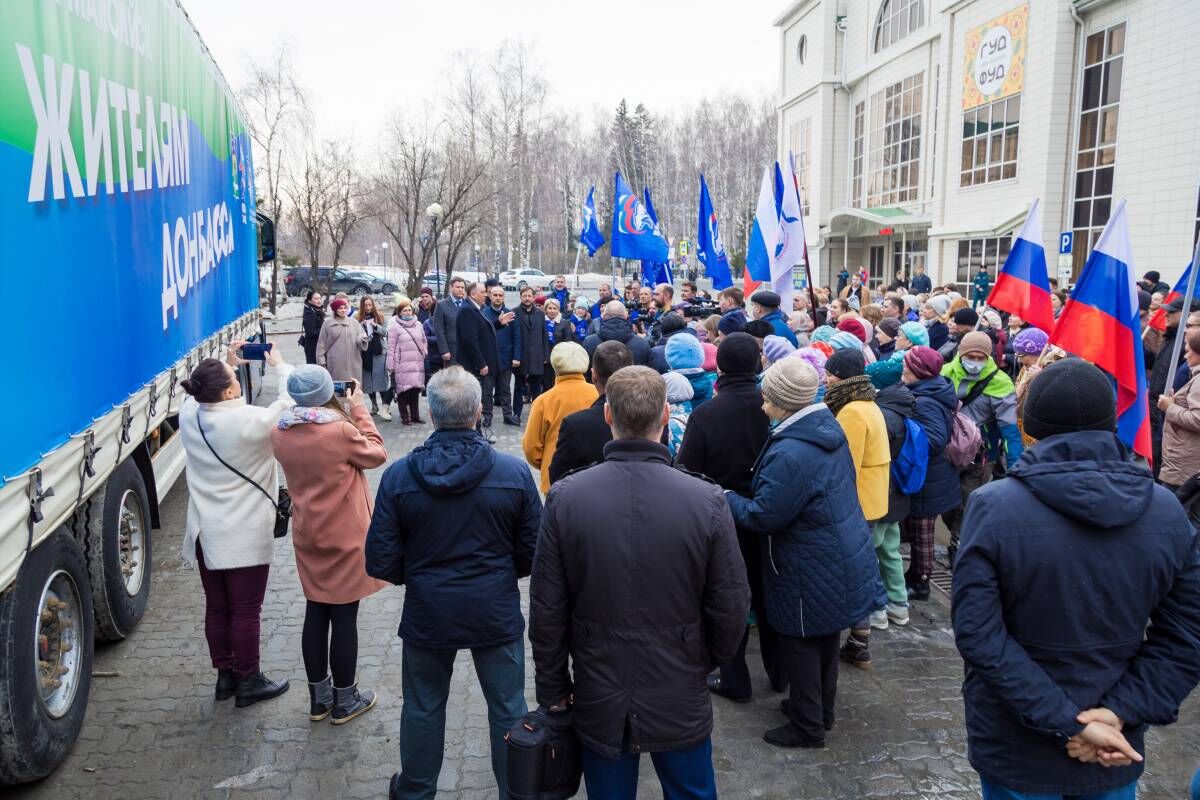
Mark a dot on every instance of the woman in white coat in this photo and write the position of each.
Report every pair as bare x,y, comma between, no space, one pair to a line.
230,522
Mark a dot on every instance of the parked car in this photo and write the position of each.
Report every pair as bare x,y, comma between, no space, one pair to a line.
299,280
517,279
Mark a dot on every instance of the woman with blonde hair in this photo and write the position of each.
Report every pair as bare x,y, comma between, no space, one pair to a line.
405,360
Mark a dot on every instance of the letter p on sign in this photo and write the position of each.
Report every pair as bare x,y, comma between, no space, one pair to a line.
1064,242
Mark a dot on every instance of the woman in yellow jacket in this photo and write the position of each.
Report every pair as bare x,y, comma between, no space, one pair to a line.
851,398
570,393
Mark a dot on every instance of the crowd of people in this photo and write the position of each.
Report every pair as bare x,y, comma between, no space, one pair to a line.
792,452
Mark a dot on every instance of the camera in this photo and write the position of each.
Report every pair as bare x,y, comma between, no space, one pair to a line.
699,309
341,387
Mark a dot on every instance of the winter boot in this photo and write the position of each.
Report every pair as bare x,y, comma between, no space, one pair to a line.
226,684
405,417
919,589
349,703
385,413
374,406
856,649
258,687
320,697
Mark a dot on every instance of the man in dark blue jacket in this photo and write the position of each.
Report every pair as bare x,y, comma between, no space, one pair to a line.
765,305
1076,603
456,523
508,348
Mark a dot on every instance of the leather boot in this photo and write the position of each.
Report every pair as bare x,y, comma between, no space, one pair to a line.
405,417
257,687
856,650
320,697
348,703
226,684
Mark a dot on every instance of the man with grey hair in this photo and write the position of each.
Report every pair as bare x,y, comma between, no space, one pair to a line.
615,327
627,619
456,522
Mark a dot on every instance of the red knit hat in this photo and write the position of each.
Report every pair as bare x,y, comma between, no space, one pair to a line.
855,326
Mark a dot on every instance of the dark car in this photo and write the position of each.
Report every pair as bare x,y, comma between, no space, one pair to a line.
299,280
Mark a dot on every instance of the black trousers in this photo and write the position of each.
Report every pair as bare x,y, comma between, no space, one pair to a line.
502,392
488,384
409,402
323,650
735,676
811,664
525,384
310,350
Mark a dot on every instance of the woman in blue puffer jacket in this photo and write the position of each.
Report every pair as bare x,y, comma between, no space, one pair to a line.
820,571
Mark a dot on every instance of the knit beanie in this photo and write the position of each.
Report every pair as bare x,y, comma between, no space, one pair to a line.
1068,396
683,351
855,326
916,333
923,362
846,364
710,356
940,304
679,388
791,384
823,333
568,358
966,316
844,340
975,340
672,322
732,322
815,358
338,303
777,347
310,385
823,347
886,372
738,354
889,326
910,302
991,318
1030,342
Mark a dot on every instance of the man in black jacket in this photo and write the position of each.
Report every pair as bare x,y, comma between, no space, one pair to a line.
314,318
445,313
477,350
582,435
628,618
615,327
534,353
722,440
456,522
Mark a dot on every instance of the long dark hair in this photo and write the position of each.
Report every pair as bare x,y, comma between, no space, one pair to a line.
208,381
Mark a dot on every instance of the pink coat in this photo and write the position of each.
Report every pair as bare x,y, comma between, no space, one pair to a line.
406,354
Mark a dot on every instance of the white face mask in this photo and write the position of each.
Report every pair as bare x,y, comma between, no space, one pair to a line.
972,366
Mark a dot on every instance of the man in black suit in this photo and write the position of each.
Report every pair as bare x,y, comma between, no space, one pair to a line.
444,315
477,352
582,435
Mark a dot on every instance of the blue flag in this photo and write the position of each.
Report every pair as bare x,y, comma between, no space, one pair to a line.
634,234
709,247
590,235
653,272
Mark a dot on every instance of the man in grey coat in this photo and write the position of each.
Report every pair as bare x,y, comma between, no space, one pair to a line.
445,318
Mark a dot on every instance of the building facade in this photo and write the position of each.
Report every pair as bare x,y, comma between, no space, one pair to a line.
923,129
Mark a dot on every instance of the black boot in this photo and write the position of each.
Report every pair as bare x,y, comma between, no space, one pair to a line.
856,650
919,589
349,703
226,684
320,697
258,687
790,736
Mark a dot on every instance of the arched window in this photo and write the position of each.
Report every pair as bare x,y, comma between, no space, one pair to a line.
897,18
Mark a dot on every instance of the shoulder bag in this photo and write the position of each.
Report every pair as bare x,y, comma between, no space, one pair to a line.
283,507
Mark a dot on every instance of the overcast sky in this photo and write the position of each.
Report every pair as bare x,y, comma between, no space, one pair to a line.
362,58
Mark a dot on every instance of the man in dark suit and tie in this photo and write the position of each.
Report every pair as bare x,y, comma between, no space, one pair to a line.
444,316
477,352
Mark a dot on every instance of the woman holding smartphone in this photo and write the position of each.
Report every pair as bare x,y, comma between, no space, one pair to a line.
230,520
323,451
375,378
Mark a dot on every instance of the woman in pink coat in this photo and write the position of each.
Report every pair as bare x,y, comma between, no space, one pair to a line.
323,452
406,361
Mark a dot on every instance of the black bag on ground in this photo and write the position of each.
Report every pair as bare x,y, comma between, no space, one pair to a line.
544,758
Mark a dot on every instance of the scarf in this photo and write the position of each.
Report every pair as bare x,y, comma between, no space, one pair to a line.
847,391
302,415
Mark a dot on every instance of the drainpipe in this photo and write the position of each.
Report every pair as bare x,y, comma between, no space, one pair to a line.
1067,206
840,24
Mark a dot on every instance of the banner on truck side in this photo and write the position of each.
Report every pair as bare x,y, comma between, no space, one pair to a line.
127,229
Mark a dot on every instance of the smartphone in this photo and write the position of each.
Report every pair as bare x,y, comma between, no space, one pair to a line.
256,352
341,387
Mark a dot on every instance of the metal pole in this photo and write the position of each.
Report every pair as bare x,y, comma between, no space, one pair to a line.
437,270
1177,347
578,252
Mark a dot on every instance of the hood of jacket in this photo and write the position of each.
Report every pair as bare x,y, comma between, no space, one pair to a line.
937,388
897,398
615,329
308,415
819,428
1087,476
451,462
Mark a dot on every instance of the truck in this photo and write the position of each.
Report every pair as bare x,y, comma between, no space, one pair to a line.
126,185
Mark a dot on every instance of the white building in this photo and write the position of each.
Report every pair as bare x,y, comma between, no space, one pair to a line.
923,129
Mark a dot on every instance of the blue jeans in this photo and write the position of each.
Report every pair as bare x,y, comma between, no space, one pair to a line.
994,791
425,676
682,773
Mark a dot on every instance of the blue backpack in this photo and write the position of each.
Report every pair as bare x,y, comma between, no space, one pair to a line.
908,467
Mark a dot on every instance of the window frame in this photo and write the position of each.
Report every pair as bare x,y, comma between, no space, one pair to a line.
980,174
895,22
893,174
1002,246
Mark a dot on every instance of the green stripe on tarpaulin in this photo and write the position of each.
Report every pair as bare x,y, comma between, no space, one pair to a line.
93,36
888,211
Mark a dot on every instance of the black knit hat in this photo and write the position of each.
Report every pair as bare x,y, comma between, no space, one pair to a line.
846,363
1067,396
671,322
738,353
966,316
758,328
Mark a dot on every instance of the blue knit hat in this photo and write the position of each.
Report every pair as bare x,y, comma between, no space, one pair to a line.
844,340
683,351
732,322
916,333
310,385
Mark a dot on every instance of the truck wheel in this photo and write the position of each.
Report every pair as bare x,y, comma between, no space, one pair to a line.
117,547
45,659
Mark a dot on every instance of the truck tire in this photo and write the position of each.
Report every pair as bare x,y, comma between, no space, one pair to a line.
46,650
116,545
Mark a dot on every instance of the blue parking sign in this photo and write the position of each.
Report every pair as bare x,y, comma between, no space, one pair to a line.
1065,239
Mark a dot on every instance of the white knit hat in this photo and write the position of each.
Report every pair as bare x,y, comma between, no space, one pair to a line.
790,384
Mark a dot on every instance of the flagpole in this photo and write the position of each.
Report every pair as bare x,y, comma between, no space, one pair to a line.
578,252
1177,346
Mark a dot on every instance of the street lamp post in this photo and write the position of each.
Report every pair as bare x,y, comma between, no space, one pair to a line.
435,213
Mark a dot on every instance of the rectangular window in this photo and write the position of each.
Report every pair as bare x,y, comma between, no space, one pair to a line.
800,143
895,143
989,142
1104,57
989,252
907,253
857,155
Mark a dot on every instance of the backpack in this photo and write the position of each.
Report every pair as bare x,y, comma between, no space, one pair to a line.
909,465
965,439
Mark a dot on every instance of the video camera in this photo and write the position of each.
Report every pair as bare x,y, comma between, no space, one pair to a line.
699,309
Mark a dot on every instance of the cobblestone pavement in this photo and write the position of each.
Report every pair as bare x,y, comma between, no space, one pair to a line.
154,731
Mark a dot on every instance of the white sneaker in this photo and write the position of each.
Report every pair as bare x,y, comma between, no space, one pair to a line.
879,620
896,613
385,414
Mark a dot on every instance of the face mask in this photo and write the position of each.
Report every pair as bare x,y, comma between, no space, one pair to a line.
972,366
406,315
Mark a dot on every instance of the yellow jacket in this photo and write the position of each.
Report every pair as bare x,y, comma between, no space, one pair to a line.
866,432
571,393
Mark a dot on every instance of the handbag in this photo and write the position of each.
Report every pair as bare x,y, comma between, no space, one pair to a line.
545,760
283,507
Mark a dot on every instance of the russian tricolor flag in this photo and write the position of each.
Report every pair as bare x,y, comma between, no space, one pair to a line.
764,234
1023,285
1159,320
1100,323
